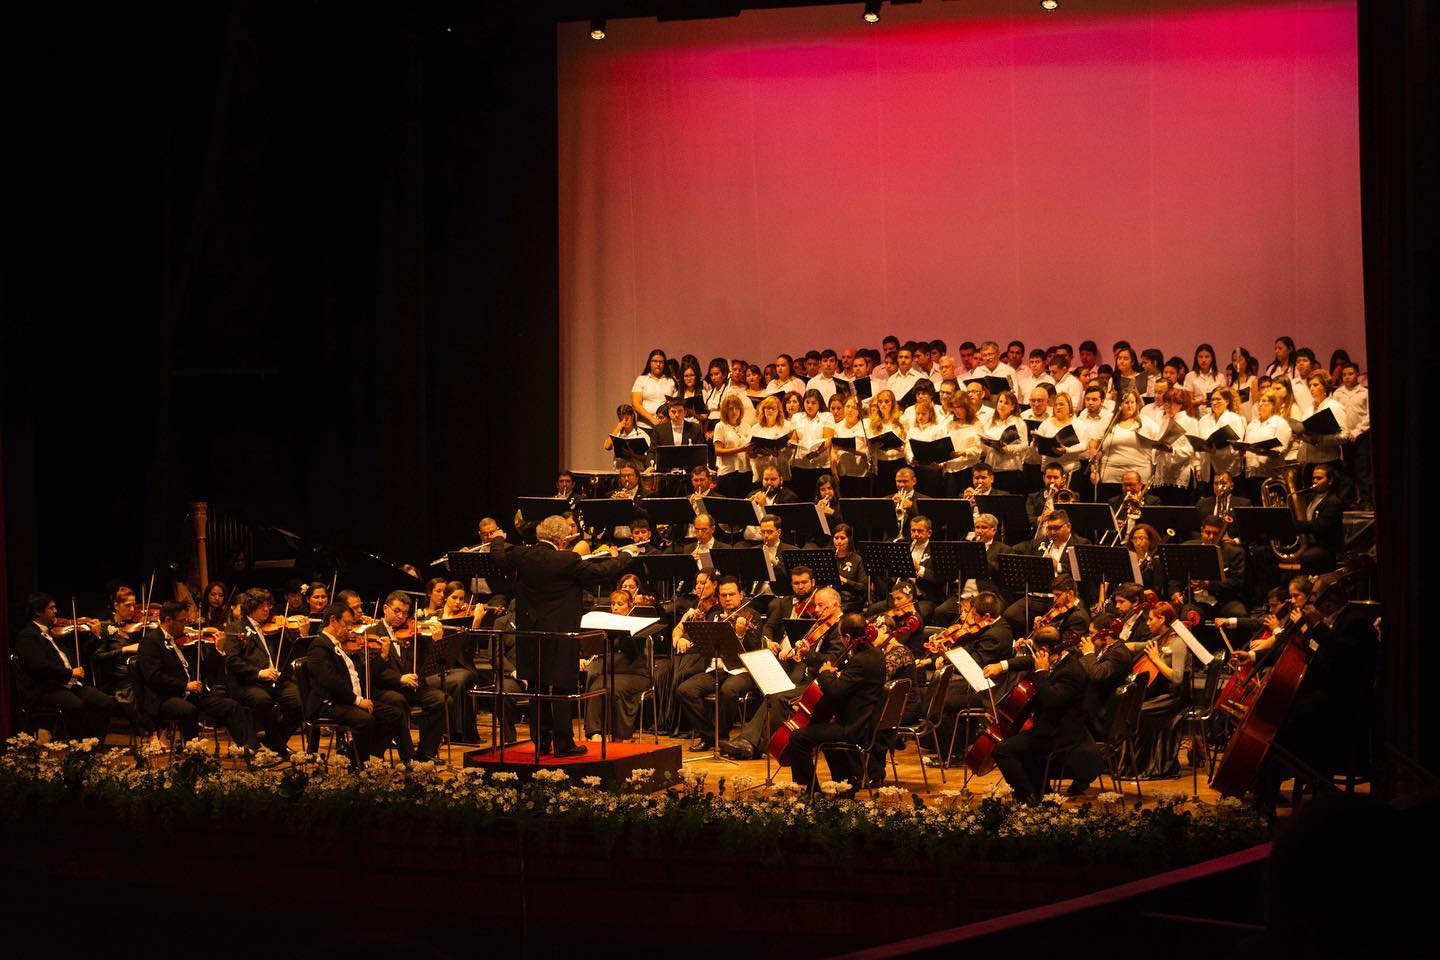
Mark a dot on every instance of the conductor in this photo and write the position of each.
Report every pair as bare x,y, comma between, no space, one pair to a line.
548,582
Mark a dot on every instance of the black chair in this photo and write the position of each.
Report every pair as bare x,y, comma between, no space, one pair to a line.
1122,734
1197,721
313,728
928,723
887,719
35,713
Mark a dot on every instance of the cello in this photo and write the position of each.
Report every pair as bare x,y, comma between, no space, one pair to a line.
807,705
1250,743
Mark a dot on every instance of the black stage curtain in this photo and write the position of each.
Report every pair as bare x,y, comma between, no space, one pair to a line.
294,258
1398,110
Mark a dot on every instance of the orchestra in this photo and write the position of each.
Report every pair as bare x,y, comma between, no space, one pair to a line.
845,433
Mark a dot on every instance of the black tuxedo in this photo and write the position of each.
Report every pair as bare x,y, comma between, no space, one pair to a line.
44,680
385,681
548,588
784,609
1060,695
1206,505
273,704
691,693
1326,531
664,435
1229,591
165,671
846,711
332,696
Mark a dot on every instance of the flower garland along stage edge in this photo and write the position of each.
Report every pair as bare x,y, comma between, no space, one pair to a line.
324,801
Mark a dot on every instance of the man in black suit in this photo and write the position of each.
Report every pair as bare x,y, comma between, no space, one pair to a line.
549,581
1058,538
1039,504
772,491
1060,685
254,673
799,604
987,525
1130,487
339,677
400,686
1222,598
994,644
676,430
1224,502
691,693
1324,523
846,712
175,678
50,677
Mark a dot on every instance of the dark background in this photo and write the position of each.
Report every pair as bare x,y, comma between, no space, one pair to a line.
299,259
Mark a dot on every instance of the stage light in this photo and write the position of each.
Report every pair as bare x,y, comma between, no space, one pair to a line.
1049,4
597,28
872,11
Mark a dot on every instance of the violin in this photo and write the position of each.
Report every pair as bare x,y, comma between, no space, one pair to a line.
211,635
433,629
64,626
959,630
279,622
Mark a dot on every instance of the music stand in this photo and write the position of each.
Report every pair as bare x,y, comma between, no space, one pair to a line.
872,516
672,511
442,654
1010,511
955,517
671,568
1092,564
822,564
888,560
712,639
609,513
1186,562
747,566
680,458
805,520
1024,574
1089,519
1184,521
959,560
1258,524
538,508
733,512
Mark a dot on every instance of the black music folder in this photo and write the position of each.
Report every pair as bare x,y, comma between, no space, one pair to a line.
1166,440
1008,436
1264,447
887,440
1322,424
1218,440
632,449
991,384
770,446
932,451
1055,446
862,388
908,400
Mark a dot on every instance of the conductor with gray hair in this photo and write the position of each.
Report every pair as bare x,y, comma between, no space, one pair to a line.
549,582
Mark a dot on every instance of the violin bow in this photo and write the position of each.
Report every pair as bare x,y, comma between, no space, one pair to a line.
75,631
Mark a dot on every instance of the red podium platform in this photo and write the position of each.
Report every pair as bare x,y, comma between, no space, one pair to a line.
620,759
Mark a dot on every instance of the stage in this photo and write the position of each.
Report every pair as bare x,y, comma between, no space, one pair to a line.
620,760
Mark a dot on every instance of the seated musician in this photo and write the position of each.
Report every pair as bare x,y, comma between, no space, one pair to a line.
50,677
1110,657
1167,659
683,663
852,693
1324,522
176,686
736,682
704,542
1060,685
1057,541
118,642
1222,598
771,492
819,645
317,598
457,678
1285,613
900,620
632,678
395,679
256,674
799,604
774,556
337,686
1041,503
989,638
986,527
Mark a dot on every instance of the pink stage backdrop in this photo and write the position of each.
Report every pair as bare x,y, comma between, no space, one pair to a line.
1166,172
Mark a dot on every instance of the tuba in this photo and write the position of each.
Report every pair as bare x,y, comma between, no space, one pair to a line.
1282,491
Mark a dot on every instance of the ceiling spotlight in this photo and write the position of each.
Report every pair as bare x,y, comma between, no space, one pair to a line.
872,11
1050,4
597,28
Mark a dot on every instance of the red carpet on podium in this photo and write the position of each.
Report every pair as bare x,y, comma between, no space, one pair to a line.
619,760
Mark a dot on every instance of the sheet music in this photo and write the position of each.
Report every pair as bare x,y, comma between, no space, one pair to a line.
600,620
1196,648
785,648
969,669
767,672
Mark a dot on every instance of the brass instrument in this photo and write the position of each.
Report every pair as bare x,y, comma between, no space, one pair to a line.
1282,491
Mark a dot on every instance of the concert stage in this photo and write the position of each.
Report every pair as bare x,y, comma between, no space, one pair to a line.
620,759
